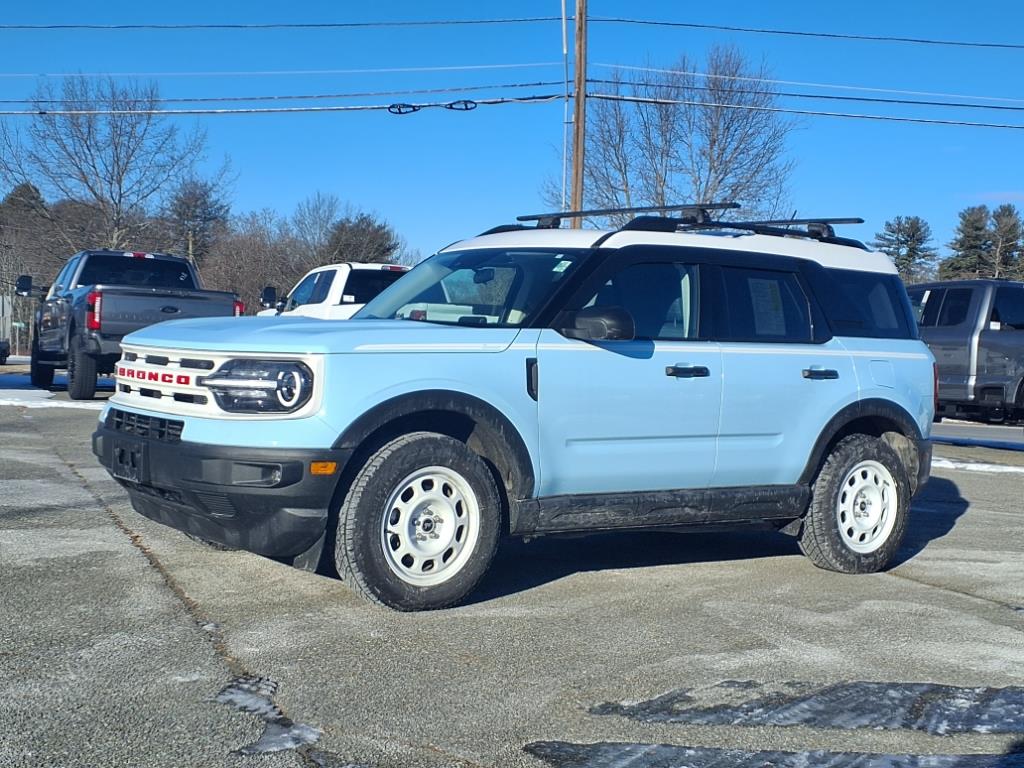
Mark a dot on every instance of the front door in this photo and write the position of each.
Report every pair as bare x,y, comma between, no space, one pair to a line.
636,415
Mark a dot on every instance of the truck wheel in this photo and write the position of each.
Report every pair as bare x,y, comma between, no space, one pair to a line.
40,375
419,526
860,502
81,373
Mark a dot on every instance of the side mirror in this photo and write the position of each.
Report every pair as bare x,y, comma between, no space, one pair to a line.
280,305
23,285
268,297
600,324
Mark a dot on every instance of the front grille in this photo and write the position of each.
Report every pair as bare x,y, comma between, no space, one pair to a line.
164,430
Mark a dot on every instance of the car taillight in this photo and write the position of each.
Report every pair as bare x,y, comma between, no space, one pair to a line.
418,314
394,268
935,386
239,308
93,304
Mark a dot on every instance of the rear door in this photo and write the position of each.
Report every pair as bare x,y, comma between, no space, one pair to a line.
1001,346
636,415
780,386
55,311
950,324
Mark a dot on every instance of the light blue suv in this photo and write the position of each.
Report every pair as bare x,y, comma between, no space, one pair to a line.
674,373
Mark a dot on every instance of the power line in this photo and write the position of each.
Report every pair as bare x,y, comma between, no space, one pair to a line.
313,96
867,89
461,105
796,33
282,25
286,72
813,113
820,96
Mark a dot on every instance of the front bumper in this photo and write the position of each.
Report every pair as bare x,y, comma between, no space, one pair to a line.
264,500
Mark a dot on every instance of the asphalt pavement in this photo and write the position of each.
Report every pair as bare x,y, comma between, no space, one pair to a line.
123,642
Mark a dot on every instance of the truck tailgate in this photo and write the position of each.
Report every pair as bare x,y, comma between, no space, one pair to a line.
123,310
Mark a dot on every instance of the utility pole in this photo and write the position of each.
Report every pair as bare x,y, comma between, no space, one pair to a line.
579,119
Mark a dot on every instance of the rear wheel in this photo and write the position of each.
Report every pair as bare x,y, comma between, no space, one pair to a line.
40,375
81,372
419,526
859,507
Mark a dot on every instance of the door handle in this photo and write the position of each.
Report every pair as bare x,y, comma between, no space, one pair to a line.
820,373
683,371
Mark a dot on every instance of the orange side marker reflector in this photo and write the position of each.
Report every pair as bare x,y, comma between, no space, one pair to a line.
323,467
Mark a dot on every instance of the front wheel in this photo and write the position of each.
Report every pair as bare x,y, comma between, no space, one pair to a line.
860,502
420,523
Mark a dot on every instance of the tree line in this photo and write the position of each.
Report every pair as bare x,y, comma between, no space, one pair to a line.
986,243
116,174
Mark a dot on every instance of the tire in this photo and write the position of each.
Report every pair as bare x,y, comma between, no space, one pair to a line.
39,375
428,496
81,372
860,503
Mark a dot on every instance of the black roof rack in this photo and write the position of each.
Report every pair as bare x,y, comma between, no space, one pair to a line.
694,211
817,229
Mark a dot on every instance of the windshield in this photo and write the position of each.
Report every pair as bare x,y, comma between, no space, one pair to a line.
126,270
493,287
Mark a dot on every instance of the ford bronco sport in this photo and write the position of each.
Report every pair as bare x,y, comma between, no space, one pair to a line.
677,372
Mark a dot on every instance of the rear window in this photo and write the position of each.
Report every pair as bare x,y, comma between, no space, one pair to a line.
864,304
765,306
954,307
128,270
364,284
1009,307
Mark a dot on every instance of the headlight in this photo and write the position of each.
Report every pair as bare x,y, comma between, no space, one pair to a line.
261,386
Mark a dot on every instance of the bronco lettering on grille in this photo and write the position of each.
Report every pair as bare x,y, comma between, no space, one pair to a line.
157,376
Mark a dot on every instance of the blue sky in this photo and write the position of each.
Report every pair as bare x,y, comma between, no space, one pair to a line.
438,175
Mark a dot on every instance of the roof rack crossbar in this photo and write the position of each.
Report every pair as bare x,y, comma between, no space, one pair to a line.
697,208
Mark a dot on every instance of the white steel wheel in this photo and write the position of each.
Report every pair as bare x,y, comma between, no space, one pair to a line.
866,507
430,526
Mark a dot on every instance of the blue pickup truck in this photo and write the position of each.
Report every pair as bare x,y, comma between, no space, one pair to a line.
674,373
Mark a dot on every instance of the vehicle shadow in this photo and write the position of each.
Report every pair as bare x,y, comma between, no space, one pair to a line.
22,381
521,566
933,515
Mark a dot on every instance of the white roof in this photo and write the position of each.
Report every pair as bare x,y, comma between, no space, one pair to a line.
826,254
358,265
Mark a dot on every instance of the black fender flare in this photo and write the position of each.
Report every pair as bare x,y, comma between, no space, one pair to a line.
870,408
495,435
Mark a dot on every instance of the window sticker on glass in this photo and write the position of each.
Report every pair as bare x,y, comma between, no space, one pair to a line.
561,266
766,297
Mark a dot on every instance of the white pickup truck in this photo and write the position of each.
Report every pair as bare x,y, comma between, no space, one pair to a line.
333,291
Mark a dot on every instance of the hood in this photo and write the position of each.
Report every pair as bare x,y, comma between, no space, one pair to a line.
301,335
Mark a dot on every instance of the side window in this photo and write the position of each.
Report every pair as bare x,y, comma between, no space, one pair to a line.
954,308
312,290
1008,308
662,298
765,306
60,282
931,301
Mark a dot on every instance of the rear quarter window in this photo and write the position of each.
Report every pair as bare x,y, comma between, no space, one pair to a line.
864,304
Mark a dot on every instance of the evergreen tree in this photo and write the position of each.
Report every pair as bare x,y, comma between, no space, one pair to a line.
1006,241
971,246
907,241
195,213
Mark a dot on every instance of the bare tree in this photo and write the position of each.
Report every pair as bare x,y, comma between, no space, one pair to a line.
679,136
313,220
114,154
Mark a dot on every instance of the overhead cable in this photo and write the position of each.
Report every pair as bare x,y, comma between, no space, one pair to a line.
312,96
283,25
462,105
788,111
815,96
804,83
286,72
797,33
